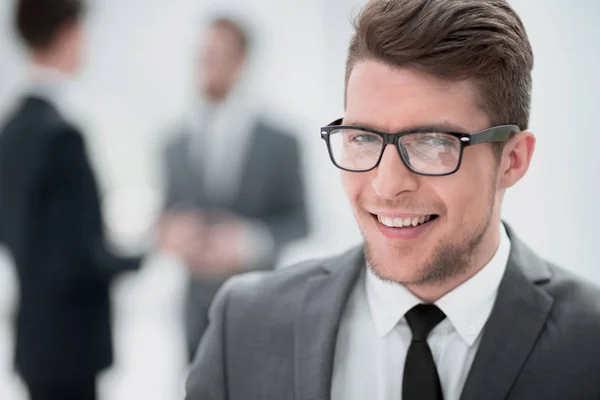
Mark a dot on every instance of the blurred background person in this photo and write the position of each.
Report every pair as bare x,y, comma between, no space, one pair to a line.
235,195
51,217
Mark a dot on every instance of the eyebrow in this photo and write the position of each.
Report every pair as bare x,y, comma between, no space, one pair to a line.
440,127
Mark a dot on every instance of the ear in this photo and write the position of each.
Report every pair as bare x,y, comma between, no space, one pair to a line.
516,159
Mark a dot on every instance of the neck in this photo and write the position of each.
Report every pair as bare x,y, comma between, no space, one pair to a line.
482,255
42,59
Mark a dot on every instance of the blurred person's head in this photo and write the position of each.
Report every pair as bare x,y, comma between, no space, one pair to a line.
436,66
223,57
52,31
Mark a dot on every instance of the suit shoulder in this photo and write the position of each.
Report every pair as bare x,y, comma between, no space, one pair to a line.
274,281
41,130
267,284
63,137
277,133
63,149
48,122
574,296
38,112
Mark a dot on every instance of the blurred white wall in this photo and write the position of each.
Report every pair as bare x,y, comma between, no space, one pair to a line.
555,208
138,78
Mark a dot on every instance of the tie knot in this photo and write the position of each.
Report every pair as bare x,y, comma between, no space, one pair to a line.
422,319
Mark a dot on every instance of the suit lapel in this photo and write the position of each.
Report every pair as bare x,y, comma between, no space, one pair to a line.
317,325
517,319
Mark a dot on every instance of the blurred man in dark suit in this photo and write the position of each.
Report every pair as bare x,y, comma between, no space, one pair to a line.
51,218
234,190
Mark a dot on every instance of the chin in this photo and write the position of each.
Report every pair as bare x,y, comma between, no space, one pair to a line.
393,263
400,275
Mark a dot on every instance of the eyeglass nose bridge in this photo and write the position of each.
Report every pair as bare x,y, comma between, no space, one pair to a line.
390,139
394,139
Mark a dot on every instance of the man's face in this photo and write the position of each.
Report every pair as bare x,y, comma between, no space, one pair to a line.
462,208
221,62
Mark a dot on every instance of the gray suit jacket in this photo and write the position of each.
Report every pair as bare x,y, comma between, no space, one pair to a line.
272,336
271,191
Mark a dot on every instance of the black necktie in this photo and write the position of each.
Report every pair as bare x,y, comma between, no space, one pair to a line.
421,380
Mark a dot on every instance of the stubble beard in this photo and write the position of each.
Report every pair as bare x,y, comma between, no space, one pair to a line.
447,261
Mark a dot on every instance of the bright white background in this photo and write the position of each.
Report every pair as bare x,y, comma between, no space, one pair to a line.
137,78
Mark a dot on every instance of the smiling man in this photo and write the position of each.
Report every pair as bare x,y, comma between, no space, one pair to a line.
443,301
429,216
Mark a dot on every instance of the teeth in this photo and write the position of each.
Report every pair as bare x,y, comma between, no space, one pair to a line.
403,222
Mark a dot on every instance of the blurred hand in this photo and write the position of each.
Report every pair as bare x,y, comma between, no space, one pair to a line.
183,233
208,250
223,254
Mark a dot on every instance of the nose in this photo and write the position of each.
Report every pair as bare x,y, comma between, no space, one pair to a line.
392,177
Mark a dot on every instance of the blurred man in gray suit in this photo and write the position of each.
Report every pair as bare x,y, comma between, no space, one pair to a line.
234,189
443,301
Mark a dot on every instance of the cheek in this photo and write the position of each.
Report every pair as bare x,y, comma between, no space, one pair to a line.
353,184
467,192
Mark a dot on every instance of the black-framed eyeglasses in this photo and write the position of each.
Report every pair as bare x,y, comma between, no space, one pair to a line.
423,151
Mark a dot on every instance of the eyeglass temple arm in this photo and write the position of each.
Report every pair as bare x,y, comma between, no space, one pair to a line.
496,134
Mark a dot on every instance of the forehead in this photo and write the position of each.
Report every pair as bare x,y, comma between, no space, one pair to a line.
220,35
395,99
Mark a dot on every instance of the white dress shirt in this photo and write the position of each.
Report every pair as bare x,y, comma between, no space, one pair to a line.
374,337
221,138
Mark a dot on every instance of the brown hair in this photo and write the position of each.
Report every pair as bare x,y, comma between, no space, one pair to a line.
38,21
483,40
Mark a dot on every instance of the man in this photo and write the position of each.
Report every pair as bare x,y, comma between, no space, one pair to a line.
51,218
234,190
443,300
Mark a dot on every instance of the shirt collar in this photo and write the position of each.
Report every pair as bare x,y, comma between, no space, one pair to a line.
57,88
467,307
47,82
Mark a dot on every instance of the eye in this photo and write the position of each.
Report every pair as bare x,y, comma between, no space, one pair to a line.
364,138
436,140
360,138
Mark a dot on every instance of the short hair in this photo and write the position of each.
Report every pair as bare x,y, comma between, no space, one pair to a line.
38,21
237,28
482,40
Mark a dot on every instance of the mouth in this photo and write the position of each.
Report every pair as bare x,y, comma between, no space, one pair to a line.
404,227
405,222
